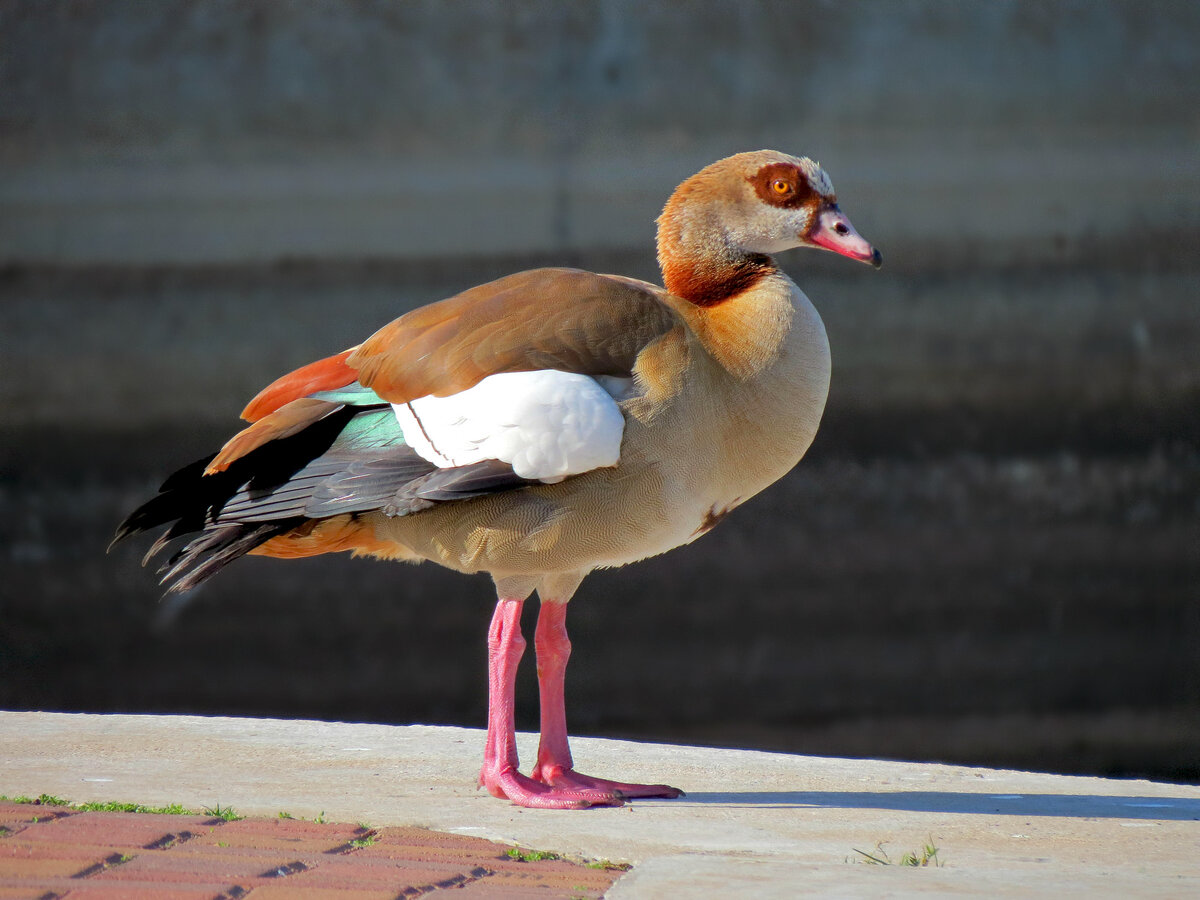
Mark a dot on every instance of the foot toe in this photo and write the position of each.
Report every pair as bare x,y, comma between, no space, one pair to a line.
526,792
569,779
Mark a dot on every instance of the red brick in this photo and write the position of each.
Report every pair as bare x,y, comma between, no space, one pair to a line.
422,837
424,845
494,856
15,893
280,835
299,829
15,848
9,809
90,891
124,831
437,855
211,868
348,872
44,867
505,886
24,891
17,816
199,851
291,892
42,855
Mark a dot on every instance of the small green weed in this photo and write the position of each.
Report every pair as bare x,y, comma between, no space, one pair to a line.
531,855
173,809
367,839
926,856
286,815
221,812
608,865
43,800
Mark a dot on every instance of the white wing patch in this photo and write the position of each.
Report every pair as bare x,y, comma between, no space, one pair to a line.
547,425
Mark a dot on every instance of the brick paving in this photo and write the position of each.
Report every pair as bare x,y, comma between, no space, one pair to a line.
55,851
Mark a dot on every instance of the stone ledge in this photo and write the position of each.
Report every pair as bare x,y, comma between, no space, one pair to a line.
772,824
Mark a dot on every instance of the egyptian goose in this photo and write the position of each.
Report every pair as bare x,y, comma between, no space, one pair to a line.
541,426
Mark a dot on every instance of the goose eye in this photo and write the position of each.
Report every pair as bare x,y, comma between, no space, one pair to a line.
781,187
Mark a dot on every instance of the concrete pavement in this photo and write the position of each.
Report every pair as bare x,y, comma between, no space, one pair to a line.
752,824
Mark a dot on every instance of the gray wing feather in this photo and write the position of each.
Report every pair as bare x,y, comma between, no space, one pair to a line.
395,480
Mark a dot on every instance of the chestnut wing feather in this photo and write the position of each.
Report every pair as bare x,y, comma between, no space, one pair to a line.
564,319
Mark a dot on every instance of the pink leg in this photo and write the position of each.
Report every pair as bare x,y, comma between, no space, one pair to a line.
499,774
554,765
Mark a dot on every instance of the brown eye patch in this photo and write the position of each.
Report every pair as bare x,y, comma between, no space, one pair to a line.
782,184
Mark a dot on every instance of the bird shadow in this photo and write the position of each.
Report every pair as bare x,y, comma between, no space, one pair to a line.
1077,806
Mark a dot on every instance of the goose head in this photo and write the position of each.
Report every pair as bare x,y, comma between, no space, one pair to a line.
732,215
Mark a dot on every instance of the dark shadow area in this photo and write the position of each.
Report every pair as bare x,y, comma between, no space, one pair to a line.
1072,806
945,586
991,554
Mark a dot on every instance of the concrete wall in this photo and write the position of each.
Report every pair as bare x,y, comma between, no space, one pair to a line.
188,131
995,536
965,138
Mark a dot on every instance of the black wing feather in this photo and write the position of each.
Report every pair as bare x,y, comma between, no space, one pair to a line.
289,481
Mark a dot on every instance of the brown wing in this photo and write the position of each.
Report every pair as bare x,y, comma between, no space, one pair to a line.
563,319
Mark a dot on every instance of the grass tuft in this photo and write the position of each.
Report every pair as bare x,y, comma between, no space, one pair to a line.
926,856
172,809
221,812
608,865
531,855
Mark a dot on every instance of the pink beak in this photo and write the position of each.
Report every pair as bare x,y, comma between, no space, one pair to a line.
834,232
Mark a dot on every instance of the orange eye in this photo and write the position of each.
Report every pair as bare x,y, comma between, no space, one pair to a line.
781,187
